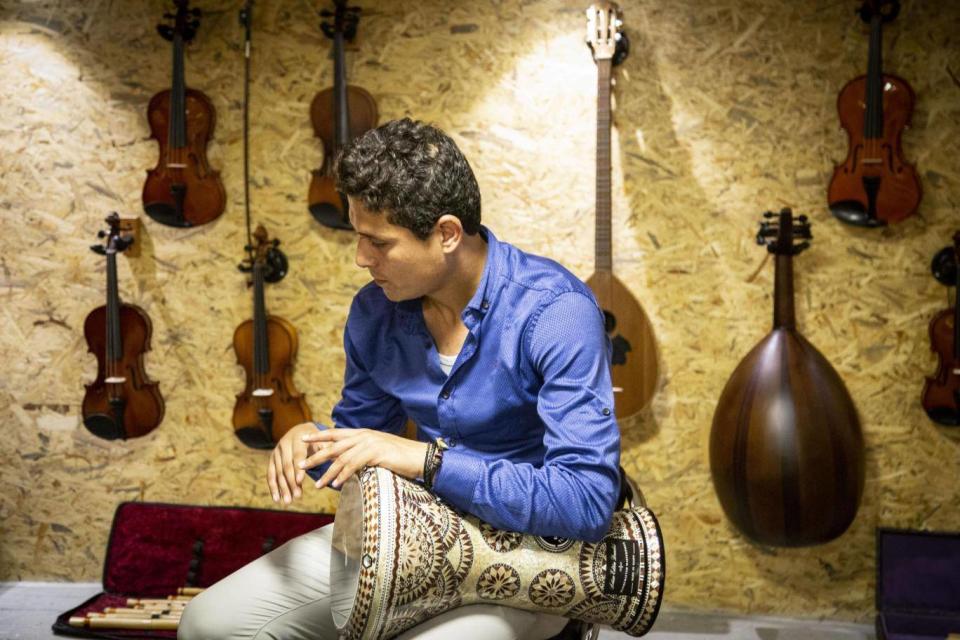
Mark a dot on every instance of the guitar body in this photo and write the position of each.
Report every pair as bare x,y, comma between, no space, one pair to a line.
634,359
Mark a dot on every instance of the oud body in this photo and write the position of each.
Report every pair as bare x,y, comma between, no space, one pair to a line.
786,447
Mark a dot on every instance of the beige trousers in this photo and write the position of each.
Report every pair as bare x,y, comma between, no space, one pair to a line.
287,595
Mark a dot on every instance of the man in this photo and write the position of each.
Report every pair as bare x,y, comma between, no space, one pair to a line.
498,356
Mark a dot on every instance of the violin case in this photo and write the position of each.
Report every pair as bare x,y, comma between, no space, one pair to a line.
155,548
918,584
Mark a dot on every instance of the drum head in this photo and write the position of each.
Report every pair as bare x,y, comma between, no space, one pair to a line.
345,552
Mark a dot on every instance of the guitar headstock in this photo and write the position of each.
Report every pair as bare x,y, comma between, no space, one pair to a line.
345,20
778,235
605,37
114,242
184,22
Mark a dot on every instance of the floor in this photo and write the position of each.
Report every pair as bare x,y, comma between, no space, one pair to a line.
27,609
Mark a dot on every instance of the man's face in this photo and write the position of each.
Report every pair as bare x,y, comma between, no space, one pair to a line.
401,264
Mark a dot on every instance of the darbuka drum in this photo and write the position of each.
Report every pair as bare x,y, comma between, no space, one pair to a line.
402,556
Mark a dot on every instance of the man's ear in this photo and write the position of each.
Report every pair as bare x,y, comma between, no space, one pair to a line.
451,232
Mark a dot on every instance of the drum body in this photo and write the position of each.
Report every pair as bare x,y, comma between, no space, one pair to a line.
413,557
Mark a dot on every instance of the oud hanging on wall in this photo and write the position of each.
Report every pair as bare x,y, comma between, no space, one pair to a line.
786,449
266,348
875,185
182,191
634,359
338,114
121,402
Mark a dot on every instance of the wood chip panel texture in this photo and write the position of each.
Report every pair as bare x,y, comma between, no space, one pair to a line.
723,110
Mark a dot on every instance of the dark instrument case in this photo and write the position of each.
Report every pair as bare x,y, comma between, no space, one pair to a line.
155,548
918,584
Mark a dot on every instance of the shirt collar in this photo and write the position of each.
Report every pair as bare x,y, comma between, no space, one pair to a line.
483,298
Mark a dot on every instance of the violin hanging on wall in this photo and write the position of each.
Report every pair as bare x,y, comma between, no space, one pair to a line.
634,360
338,114
941,393
182,191
122,402
266,348
786,448
875,185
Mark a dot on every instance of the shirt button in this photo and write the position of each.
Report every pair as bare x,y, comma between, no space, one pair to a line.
606,411
445,394
485,304
451,443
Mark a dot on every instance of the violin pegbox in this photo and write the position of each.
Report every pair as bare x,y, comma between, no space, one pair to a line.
604,35
345,20
779,235
185,22
115,241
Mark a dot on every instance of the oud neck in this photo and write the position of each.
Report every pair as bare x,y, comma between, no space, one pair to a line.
603,241
783,311
177,133
873,122
114,342
341,109
261,349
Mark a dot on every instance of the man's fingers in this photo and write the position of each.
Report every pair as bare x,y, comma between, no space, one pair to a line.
278,474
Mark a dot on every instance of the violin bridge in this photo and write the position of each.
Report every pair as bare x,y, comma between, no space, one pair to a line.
176,165
115,380
262,393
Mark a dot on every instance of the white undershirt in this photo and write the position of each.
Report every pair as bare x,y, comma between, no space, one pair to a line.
446,362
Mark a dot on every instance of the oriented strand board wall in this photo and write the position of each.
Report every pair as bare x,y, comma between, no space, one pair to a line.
724,109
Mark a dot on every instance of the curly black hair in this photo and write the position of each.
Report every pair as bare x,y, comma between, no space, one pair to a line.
414,173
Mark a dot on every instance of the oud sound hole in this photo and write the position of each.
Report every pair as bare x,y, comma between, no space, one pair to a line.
621,346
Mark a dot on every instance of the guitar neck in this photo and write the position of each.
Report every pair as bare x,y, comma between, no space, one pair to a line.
603,241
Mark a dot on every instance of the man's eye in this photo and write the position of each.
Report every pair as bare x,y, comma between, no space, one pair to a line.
378,243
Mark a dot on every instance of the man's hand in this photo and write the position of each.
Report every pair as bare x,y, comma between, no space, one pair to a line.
284,475
353,449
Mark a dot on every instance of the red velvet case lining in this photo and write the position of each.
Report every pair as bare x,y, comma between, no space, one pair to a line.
154,548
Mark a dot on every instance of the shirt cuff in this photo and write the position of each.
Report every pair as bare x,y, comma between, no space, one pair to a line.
457,479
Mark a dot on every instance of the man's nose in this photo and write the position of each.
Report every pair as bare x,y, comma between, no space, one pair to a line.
363,259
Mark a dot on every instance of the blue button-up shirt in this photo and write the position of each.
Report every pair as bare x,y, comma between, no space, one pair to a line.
527,408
